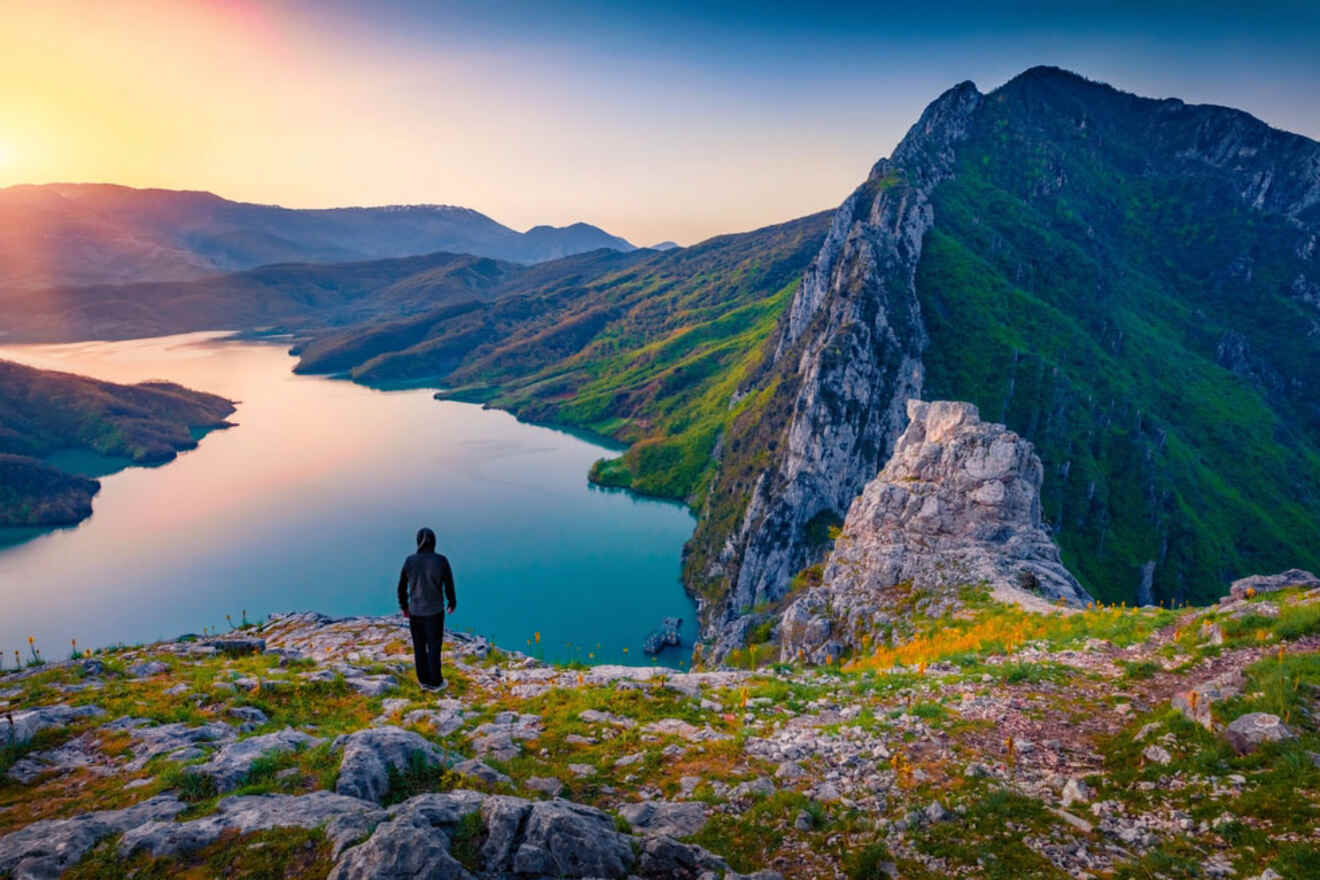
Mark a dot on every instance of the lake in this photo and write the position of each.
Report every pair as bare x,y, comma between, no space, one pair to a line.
312,502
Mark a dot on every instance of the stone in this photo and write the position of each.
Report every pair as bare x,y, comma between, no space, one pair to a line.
547,785
482,771
761,787
148,669
662,858
249,715
82,752
1248,732
664,817
370,754
177,740
1075,790
935,812
345,820
229,766
629,760
582,770
664,637
45,849
1257,584
563,839
414,842
958,502
501,737
1157,755
441,721
1195,703
595,716
19,727
237,646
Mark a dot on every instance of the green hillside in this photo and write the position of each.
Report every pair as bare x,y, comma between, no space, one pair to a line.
646,348
1127,310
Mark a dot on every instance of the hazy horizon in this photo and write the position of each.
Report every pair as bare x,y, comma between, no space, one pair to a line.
659,122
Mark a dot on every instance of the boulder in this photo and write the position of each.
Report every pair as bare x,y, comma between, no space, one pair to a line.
1195,702
664,637
369,755
148,669
178,740
237,646
345,820
1258,583
1157,755
1248,732
482,771
563,839
20,727
47,848
230,766
957,503
666,818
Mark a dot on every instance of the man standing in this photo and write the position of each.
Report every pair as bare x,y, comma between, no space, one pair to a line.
425,584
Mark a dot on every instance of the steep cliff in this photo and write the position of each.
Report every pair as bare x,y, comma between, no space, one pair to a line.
1128,283
846,359
957,504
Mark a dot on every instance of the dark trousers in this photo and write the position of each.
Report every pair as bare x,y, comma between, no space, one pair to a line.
428,635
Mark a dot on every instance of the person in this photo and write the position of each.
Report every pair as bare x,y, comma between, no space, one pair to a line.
426,584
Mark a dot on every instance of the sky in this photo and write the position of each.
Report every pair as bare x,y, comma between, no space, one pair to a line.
655,121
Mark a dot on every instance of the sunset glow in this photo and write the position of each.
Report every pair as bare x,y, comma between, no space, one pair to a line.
665,123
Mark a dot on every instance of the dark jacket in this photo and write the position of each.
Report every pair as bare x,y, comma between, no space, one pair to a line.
426,582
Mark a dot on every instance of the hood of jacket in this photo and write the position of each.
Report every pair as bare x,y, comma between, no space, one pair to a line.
425,541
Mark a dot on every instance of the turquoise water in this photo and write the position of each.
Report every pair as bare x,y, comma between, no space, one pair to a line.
311,502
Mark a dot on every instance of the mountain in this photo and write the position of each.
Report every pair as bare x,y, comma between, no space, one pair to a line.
1130,284
59,235
43,412
664,246
290,295
646,347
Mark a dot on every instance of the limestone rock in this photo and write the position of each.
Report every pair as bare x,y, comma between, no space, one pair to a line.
1195,703
666,818
177,740
850,376
45,849
1257,583
19,727
229,766
345,819
369,754
957,503
1248,732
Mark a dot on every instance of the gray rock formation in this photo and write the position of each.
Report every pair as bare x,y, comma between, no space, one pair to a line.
178,740
369,755
345,820
19,727
232,763
853,372
1259,583
1249,732
44,850
665,818
957,504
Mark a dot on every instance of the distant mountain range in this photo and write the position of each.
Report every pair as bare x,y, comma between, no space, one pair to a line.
84,234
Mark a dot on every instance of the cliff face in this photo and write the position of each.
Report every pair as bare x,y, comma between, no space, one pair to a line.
958,503
850,345
1130,284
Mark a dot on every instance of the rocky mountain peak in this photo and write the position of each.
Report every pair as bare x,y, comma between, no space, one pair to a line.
958,503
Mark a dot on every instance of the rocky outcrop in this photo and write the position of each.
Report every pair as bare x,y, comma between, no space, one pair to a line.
370,754
46,849
957,504
1259,583
851,343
